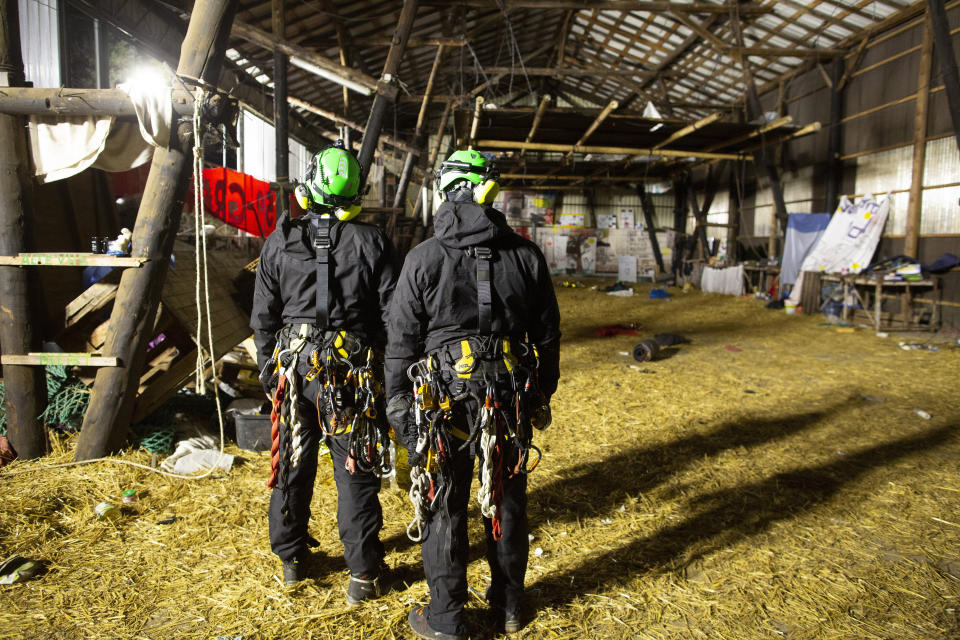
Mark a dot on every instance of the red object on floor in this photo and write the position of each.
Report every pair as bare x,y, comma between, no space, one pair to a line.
611,330
730,347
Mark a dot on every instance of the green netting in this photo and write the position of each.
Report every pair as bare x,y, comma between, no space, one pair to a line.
155,433
67,401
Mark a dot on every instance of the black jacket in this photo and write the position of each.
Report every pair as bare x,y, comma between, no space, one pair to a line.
435,302
363,273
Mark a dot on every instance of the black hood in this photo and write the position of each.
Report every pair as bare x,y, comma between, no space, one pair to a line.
466,224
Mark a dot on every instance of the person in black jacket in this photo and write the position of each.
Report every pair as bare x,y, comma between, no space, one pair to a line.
471,363
322,292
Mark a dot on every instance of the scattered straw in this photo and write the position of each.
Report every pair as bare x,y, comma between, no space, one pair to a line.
784,490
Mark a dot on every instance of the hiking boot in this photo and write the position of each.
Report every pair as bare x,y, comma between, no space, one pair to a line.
511,621
418,622
294,571
366,587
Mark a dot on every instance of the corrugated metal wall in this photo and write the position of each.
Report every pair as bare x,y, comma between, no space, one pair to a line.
40,42
258,151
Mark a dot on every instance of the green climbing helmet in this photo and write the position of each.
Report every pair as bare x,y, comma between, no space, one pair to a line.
471,166
332,181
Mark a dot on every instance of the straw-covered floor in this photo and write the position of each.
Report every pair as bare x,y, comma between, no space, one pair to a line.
770,479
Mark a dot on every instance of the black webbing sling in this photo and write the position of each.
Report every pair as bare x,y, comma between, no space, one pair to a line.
484,257
321,246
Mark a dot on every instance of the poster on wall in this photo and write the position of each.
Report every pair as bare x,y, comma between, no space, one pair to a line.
588,256
613,243
571,220
606,221
627,268
555,251
626,219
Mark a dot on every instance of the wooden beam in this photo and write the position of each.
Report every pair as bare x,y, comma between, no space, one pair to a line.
363,83
418,42
676,54
613,104
605,5
475,124
564,72
634,151
400,196
371,132
280,108
107,418
914,205
25,389
80,102
948,63
541,109
687,130
770,126
341,121
432,160
650,224
834,142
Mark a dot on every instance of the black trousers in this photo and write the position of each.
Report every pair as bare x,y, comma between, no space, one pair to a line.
359,515
447,575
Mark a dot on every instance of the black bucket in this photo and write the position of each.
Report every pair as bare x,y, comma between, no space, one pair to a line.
646,350
253,432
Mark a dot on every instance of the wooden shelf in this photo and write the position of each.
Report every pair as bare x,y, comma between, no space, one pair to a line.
62,359
70,260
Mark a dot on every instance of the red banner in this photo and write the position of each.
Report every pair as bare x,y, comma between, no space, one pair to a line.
240,200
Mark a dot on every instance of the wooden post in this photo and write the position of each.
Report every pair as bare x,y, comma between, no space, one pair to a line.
914,206
679,222
404,182
371,132
111,402
432,160
541,108
733,217
834,164
650,223
948,63
25,389
280,109
763,156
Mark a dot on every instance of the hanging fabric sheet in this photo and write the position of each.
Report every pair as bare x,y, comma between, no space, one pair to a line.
804,230
728,281
849,241
63,146
240,200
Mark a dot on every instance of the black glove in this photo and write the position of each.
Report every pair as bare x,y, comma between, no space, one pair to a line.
269,377
400,414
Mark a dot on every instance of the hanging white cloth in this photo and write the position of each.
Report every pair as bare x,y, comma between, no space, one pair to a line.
63,146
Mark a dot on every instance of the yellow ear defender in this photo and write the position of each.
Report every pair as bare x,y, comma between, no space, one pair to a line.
303,197
486,192
349,213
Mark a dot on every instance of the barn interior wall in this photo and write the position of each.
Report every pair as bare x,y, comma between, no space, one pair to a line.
876,150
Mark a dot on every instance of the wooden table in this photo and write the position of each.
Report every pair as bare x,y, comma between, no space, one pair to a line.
767,273
912,312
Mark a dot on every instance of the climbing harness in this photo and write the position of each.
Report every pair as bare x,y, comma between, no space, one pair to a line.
497,373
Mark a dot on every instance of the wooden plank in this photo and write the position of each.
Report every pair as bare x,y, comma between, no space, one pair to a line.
629,151
62,359
914,205
95,298
71,260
